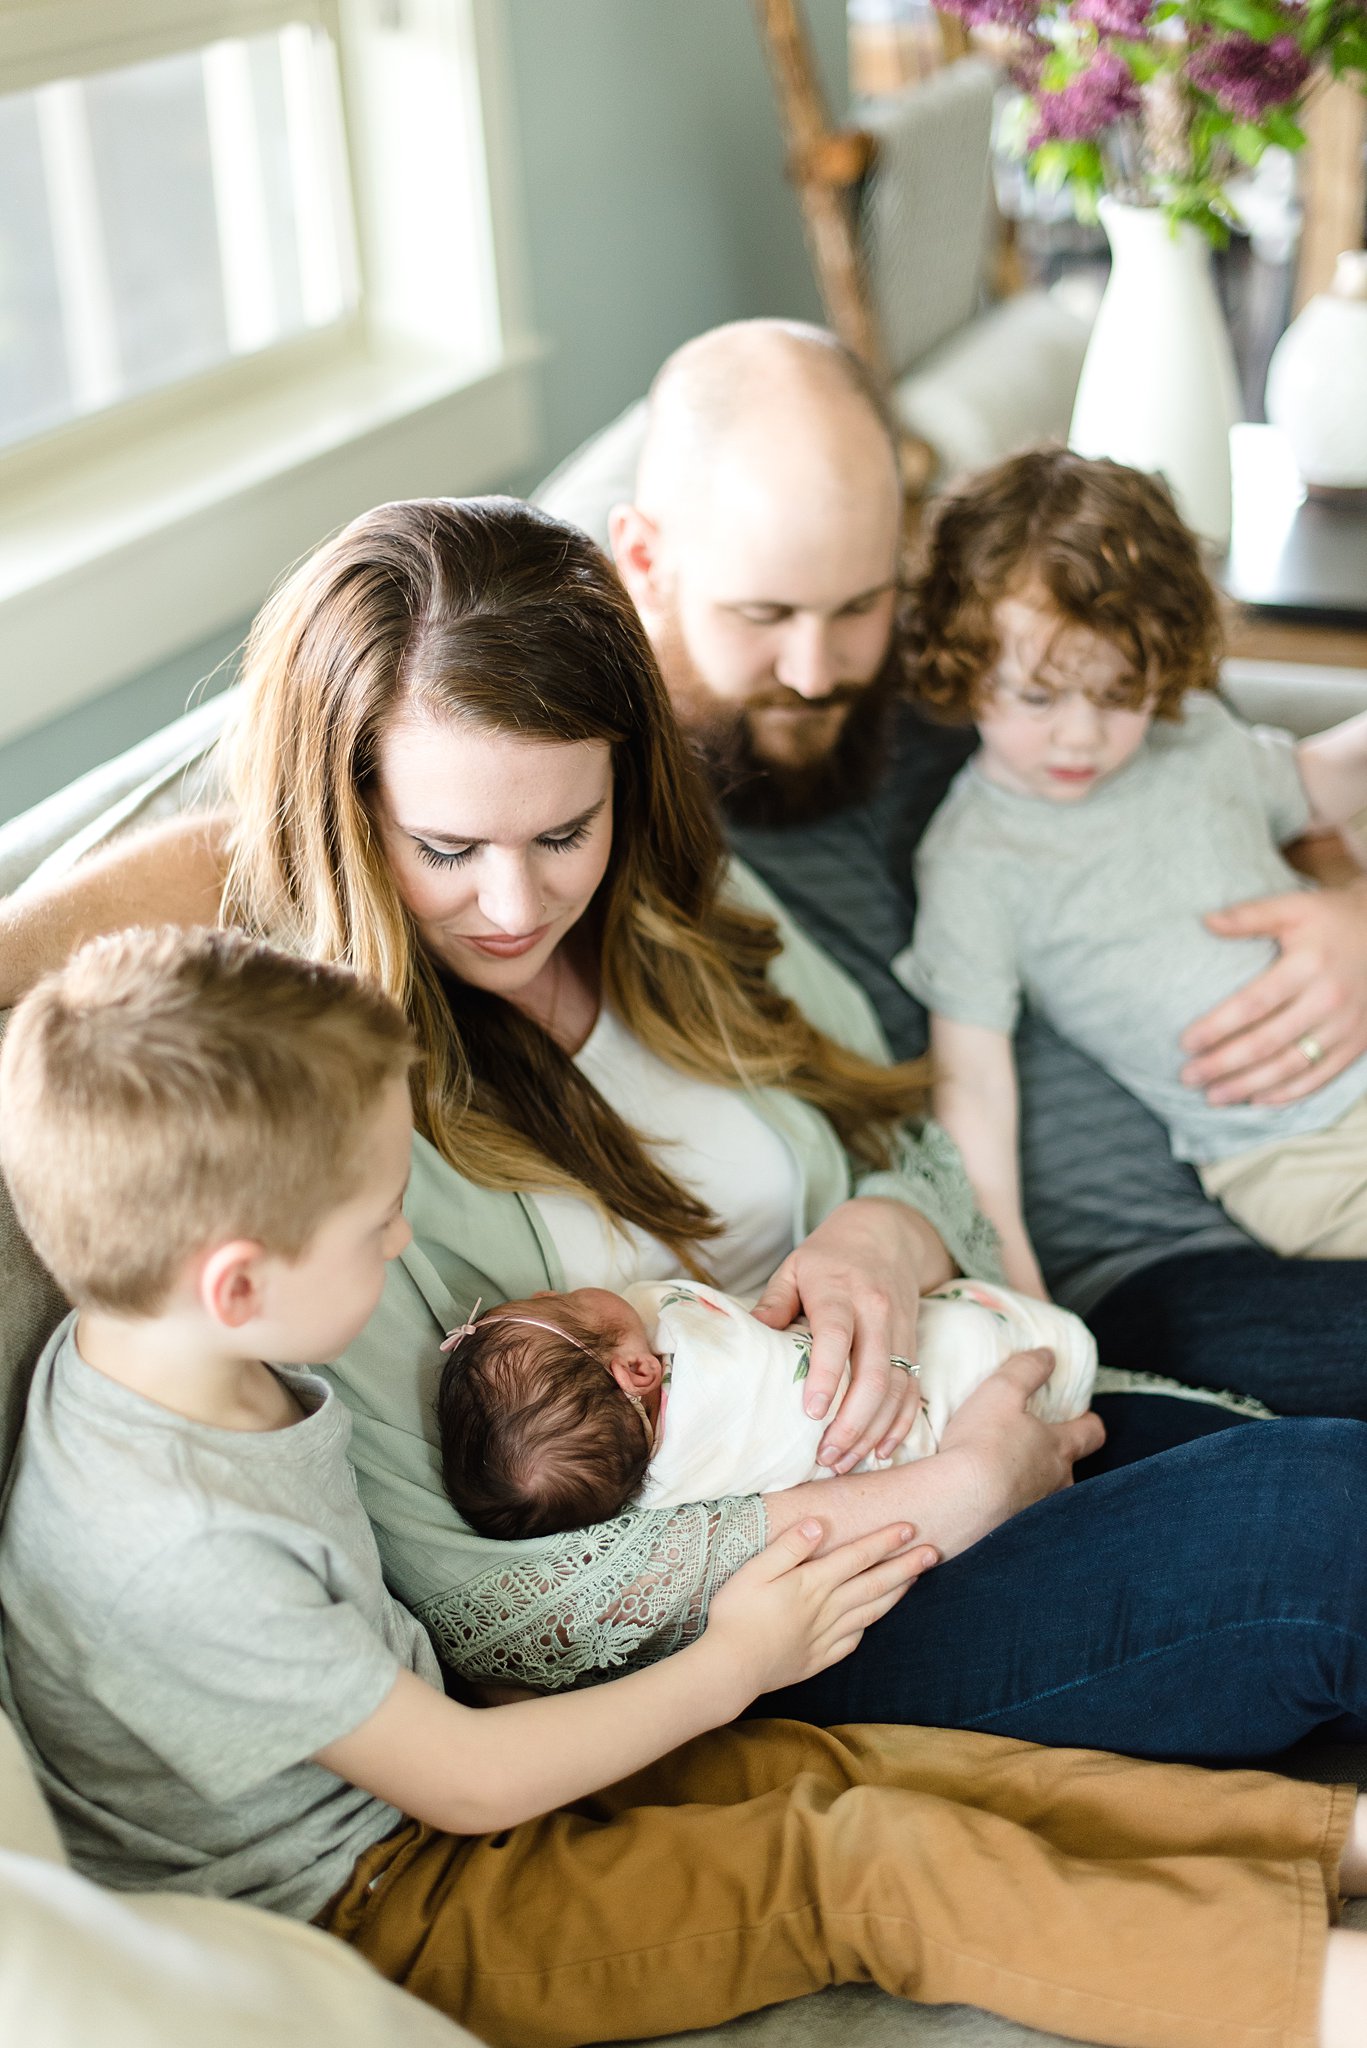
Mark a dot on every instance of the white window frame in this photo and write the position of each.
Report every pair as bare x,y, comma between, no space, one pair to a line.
132,534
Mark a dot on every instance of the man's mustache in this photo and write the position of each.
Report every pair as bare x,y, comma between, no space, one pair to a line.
784,699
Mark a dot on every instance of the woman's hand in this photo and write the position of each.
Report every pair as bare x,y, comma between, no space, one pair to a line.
1016,1458
995,1459
1253,1046
788,1614
859,1279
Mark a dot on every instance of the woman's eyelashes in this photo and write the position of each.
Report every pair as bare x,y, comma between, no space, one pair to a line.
456,857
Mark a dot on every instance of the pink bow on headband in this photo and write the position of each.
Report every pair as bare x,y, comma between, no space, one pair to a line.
455,1337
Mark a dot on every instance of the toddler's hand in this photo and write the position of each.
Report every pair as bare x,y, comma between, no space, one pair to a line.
787,1615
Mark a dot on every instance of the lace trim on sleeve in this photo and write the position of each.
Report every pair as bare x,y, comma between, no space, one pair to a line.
930,1177
596,1600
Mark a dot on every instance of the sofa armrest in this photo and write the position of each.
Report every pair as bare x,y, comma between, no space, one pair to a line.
175,769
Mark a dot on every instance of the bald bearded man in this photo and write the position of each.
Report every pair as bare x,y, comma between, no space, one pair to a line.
762,553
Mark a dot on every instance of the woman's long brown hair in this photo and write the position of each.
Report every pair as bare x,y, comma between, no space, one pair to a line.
486,612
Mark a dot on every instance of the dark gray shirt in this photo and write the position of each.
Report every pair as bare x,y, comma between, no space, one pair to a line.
1103,1195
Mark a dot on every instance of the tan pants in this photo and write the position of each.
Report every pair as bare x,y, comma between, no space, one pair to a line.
1151,1905
1304,1197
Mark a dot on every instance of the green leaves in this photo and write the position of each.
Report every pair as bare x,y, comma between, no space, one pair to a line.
1056,164
1279,127
1254,17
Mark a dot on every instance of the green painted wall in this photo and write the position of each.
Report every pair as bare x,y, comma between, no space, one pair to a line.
655,206
653,173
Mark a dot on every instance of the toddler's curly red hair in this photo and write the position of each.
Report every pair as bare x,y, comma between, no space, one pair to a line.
1105,545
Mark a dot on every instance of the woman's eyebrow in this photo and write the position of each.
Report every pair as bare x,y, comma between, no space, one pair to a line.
574,824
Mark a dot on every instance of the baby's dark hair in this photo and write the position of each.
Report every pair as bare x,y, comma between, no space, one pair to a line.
1107,546
535,1434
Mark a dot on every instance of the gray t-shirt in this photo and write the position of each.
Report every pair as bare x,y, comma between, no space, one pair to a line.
1103,1195
1091,913
189,1614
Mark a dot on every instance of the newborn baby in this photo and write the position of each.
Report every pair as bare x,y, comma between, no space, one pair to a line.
554,1413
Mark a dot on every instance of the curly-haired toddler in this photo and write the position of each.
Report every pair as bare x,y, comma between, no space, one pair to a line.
1113,804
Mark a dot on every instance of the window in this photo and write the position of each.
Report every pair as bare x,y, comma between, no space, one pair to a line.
255,274
166,217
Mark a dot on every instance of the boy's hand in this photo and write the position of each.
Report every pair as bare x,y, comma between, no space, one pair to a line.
787,1614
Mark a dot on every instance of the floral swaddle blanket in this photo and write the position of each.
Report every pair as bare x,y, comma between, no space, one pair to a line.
732,1419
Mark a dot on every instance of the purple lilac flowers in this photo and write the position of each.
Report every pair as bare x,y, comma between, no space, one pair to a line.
1103,93
1116,17
1248,78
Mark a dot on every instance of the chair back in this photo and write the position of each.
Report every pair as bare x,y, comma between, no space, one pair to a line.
927,218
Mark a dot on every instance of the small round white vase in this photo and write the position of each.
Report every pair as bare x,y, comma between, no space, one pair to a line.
1317,382
1159,389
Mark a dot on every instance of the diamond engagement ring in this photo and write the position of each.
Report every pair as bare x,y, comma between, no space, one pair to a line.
905,1365
1309,1048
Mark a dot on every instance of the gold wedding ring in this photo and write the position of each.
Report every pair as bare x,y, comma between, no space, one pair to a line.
1309,1048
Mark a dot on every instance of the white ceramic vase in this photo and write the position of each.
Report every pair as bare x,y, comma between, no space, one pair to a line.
1317,382
1159,389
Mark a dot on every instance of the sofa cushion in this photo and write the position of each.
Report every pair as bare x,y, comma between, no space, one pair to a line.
156,1970
33,1306
597,476
26,1824
1002,383
160,775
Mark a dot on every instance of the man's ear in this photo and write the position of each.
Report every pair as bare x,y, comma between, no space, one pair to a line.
635,1369
635,542
231,1282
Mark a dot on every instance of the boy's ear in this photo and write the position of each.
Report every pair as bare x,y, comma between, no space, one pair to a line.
230,1282
636,1370
635,543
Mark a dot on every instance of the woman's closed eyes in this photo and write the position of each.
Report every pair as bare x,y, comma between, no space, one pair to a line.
456,857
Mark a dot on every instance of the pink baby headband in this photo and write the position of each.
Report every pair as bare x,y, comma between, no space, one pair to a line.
455,1338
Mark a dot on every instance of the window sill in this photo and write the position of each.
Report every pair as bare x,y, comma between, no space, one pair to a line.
111,565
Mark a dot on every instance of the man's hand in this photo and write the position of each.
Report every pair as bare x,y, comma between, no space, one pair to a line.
859,1279
788,1614
1017,1458
1252,1047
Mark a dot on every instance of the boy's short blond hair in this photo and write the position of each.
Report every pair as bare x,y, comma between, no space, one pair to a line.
169,1090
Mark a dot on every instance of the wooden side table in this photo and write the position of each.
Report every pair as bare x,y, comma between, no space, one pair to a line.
1296,572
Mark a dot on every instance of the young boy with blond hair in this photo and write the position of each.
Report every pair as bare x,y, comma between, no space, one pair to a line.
208,1142
1114,806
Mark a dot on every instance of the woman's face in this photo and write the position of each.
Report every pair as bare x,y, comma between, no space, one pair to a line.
496,844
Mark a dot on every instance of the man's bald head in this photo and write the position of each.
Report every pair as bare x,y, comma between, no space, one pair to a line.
762,406
762,554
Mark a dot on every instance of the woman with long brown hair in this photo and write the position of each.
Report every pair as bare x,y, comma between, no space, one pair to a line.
457,771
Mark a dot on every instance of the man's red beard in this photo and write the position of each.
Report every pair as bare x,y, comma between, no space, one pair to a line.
754,788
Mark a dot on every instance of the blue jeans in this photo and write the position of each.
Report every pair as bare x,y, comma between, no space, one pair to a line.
1209,1603
1291,1331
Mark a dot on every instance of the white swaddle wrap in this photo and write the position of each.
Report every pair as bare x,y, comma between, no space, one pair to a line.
732,1420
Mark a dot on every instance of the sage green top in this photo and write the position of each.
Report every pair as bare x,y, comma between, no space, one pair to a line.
550,1610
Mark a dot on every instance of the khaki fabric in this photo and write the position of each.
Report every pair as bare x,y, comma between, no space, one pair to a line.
1305,1197
1145,1905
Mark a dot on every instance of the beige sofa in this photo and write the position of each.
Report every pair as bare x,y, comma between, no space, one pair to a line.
82,1968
